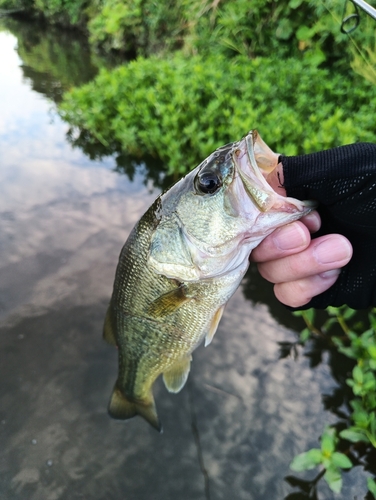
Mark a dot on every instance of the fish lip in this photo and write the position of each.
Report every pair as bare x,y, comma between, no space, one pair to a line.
255,183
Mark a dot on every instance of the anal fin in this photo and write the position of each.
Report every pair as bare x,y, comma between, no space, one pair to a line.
108,333
214,325
175,377
121,408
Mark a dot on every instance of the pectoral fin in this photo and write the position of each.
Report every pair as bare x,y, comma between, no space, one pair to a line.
175,377
168,303
214,325
122,408
108,333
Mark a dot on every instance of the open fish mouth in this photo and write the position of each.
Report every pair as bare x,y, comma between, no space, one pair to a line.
254,161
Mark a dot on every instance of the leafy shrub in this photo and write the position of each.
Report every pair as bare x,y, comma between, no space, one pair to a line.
180,110
118,25
282,28
65,12
137,26
258,28
364,59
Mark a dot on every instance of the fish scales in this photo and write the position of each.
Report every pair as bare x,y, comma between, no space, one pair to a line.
182,262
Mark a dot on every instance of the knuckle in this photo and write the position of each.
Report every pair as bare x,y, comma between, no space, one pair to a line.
296,266
267,271
293,293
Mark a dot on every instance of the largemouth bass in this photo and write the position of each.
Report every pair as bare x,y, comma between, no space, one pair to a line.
182,262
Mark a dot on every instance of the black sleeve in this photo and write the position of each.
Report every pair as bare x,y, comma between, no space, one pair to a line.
343,181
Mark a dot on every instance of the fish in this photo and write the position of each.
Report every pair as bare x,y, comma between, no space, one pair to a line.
182,262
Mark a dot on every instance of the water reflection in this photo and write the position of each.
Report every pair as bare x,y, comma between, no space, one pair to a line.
63,220
152,169
54,60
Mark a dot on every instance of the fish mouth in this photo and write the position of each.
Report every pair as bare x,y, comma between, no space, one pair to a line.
254,162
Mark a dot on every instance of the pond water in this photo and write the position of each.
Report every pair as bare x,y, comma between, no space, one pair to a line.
245,413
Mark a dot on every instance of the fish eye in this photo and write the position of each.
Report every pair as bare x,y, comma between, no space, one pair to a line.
208,182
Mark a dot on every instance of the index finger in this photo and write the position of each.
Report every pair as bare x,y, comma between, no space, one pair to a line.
284,241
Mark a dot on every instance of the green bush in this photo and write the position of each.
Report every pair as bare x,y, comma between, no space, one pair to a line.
253,28
281,28
69,13
12,5
179,110
137,26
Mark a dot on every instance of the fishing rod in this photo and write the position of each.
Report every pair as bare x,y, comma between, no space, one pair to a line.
354,19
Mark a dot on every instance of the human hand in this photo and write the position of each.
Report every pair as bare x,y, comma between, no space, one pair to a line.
343,183
301,268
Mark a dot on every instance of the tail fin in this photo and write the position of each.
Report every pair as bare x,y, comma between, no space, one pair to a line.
122,408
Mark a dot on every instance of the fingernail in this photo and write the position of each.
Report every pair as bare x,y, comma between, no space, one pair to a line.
313,221
289,237
334,250
333,273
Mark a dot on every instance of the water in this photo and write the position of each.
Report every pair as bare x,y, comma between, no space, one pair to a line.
231,433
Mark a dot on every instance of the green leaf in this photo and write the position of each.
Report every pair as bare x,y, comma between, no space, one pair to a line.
371,483
361,418
307,460
333,477
353,436
348,351
315,57
348,313
373,427
304,335
372,351
369,385
327,325
309,315
372,364
341,460
304,33
332,311
358,374
294,4
328,441
297,313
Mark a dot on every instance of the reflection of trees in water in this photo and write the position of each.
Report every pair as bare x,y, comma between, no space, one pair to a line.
153,169
54,60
